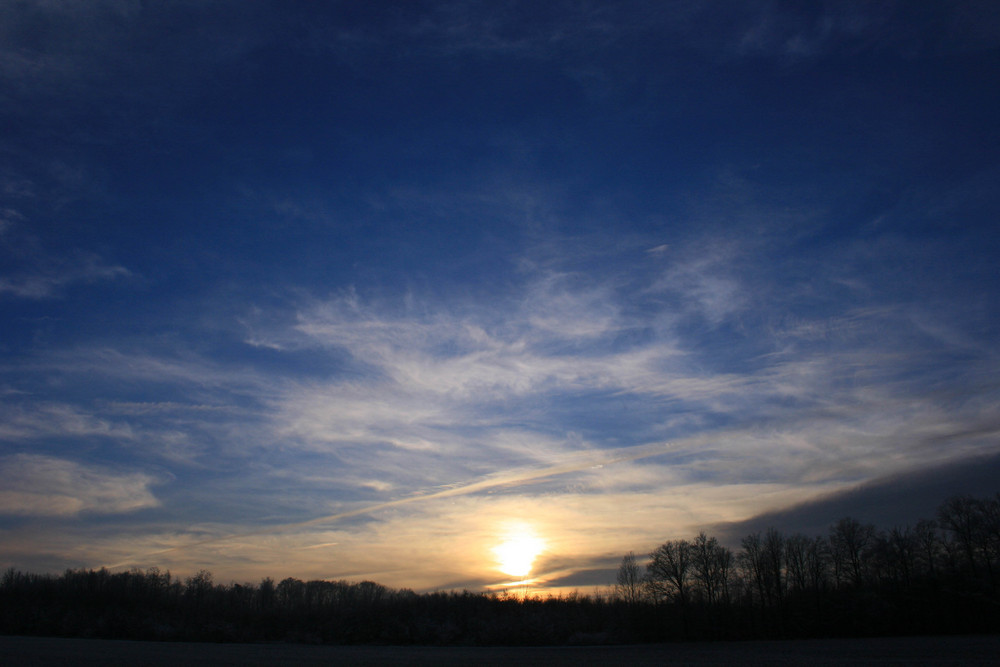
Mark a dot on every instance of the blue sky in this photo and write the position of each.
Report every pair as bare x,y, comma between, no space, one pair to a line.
356,290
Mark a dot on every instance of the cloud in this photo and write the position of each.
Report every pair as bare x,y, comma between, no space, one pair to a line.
704,282
38,257
401,427
55,275
466,385
69,49
825,28
842,394
886,501
165,365
40,420
8,218
35,485
462,28
30,268
446,537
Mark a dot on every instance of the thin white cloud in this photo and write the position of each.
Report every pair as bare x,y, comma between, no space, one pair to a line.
167,366
22,422
8,218
34,485
553,306
50,281
438,373
466,356
174,433
836,27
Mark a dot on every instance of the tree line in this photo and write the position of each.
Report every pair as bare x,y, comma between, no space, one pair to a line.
153,605
938,576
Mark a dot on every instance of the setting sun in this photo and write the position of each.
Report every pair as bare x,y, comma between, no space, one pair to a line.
517,553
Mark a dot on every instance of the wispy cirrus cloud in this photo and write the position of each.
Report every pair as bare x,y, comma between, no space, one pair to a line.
23,422
34,271
35,485
50,281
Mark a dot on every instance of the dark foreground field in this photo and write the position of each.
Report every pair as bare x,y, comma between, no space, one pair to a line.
16,651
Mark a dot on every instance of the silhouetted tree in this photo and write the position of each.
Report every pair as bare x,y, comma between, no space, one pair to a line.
199,587
753,565
900,553
818,563
711,564
797,548
290,593
668,574
960,516
928,546
774,563
850,541
974,524
629,581
266,595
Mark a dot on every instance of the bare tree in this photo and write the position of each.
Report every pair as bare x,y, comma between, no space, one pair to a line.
669,571
850,541
774,562
901,548
928,545
975,527
817,563
796,561
960,515
628,586
991,535
751,560
711,563
724,571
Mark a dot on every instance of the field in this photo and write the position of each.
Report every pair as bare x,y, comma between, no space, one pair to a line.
977,650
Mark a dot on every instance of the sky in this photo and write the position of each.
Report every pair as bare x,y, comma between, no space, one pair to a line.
386,290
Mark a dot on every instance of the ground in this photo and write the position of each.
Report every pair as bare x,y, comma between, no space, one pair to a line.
937,651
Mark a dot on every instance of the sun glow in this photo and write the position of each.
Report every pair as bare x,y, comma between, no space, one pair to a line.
517,553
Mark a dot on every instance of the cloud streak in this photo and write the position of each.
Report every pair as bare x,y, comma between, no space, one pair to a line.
53,282
45,486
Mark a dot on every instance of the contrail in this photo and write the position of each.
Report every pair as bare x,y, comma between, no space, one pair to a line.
508,478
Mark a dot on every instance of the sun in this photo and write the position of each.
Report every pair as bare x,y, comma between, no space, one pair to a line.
517,553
